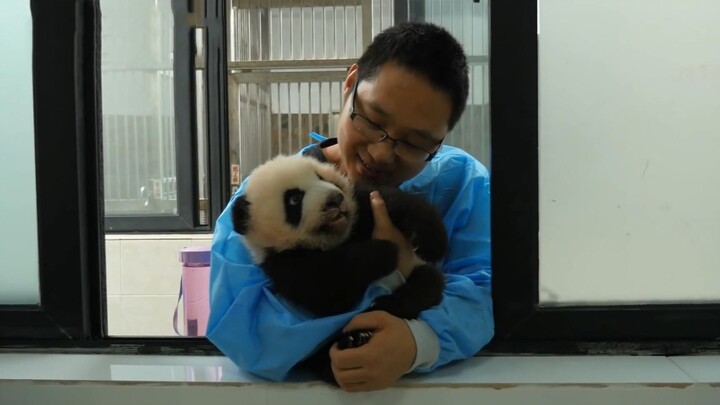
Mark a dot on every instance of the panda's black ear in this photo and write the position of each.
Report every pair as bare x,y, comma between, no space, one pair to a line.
241,215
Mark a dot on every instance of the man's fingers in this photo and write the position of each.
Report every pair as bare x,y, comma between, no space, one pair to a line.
380,214
347,359
367,320
353,376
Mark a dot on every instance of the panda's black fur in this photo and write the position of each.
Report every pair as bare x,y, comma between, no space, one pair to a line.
329,275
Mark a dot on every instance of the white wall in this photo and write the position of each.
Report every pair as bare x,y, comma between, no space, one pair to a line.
18,210
629,146
143,281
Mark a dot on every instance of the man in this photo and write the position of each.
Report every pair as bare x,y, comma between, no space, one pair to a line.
407,91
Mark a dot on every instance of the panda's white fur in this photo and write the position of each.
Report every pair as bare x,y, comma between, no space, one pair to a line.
320,227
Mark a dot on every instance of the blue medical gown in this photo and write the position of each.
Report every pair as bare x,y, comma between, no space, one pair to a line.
266,335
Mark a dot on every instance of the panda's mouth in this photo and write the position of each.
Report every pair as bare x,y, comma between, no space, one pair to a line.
336,220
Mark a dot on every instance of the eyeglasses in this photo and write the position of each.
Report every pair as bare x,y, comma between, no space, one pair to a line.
374,133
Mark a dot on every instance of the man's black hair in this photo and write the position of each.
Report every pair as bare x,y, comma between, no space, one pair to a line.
426,49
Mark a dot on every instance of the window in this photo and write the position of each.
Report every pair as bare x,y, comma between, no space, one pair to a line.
575,102
284,74
154,142
53,244
68,123
19,234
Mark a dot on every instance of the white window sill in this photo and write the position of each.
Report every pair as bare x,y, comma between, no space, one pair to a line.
628,379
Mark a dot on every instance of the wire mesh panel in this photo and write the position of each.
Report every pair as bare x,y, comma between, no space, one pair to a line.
294,30
276,111
287,64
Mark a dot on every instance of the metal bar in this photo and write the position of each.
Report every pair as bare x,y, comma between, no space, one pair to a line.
233,117
299,116
472,33
126,135
281,31
138,156
335,28
289,114
292,33
302,29
146,150
325,34
358,30
312,17
402,8
287,77
473,119
270,29
260,135
249,134
345,28
321,126
116,159
279,64
234,17
310,109
279,118
260,13
231,31
317,3
241,129
250,32
367,24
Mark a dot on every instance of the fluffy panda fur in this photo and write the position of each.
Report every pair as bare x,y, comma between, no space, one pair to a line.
309,229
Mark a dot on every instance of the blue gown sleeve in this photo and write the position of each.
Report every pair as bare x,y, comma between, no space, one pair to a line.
249,323
464,320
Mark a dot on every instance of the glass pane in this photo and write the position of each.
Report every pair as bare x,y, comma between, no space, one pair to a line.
629,146
138,108
19,278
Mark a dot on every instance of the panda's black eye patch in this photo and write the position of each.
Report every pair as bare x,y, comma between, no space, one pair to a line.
292,201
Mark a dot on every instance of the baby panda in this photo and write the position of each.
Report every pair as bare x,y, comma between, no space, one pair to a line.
309,229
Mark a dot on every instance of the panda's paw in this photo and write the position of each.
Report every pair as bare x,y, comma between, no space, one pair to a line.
354,338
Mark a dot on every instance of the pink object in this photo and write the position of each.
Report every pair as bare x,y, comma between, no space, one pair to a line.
194,290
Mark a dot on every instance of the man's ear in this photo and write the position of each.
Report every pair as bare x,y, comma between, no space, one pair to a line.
350,78
241,215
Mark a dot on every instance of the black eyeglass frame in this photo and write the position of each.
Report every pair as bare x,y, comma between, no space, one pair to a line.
387,136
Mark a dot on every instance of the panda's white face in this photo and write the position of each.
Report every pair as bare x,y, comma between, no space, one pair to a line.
296,201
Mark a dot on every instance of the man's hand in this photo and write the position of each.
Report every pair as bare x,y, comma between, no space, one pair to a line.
382,361
384,229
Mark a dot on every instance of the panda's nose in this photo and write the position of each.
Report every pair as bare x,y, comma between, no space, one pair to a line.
334,200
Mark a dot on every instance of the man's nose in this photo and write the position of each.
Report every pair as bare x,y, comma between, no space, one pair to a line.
382,152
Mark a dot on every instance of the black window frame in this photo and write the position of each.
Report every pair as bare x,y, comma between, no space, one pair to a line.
70,213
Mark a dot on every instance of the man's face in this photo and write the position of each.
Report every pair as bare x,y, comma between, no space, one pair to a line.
401,104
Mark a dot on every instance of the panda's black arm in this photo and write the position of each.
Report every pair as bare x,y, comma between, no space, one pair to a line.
422,290
333,281
411,214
